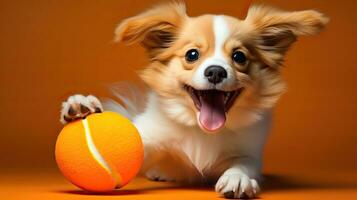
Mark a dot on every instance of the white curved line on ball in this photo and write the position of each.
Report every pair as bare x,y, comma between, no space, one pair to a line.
93,149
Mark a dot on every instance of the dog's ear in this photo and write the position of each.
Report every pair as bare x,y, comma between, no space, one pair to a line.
155,29
276,30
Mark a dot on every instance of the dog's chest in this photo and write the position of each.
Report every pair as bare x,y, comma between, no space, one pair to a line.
203,150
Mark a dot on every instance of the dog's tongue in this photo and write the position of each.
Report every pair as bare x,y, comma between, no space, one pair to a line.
212,114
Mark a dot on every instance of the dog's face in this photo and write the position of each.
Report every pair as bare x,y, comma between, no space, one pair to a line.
202,67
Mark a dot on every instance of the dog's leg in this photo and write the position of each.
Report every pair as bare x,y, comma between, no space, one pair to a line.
155,151
237,181
78,107
153,160
170,169
156,173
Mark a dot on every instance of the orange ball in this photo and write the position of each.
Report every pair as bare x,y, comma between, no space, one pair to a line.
99,153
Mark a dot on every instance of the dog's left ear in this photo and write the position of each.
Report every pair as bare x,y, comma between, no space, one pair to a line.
155,29
276,30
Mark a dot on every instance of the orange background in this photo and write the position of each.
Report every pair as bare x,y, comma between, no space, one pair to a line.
52,49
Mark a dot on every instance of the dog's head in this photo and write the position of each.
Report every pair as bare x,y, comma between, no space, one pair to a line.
204,67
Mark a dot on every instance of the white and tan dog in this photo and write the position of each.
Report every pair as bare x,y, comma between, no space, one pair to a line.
213,81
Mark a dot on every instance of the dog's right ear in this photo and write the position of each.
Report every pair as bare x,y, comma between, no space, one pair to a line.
275,30
155,29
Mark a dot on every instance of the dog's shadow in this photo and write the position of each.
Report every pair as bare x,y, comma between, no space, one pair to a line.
273,182
122,192
270,183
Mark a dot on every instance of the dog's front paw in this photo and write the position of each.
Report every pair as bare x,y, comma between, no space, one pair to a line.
237,186
157,175
78,107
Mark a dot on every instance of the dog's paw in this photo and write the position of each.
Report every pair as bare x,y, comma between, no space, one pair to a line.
78,107
157,175
237,186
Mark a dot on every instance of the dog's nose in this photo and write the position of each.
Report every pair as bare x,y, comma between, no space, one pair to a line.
215,74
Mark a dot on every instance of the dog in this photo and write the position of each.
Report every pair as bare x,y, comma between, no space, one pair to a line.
213,81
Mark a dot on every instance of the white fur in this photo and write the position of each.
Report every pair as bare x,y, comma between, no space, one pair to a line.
177,152
221,34
201,149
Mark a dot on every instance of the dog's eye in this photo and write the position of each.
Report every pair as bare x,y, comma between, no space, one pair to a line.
192,55
239,57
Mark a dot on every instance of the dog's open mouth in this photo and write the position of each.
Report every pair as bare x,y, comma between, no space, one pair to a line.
212,106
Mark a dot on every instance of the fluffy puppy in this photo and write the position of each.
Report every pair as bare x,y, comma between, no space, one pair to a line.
213,81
